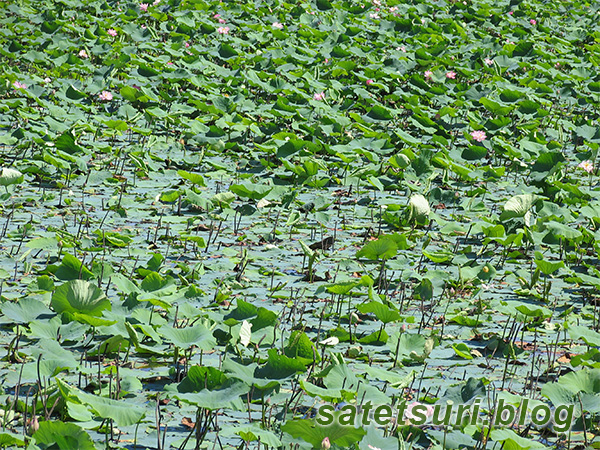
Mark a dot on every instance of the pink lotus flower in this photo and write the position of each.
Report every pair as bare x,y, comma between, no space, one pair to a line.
369,82
533,21
187,45
510,13
586,165
451,74
156,2
374,16
319,96
488,61
325,444
223,30
277,25
83,54
47,80
19,85
409,414
105,96
478,135
111,32
144,7
428,74
216,16
221,20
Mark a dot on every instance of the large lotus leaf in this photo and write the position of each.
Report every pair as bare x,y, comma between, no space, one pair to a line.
548,267
410,348
195,178
586,381
396,379
227,396
67,143
72,269
590,358
495,107
153,282
519,205
244,310
61,435
548,161
375,439
25,310
581,388
301,347
512,441
199,378
329,395
378,337
452,439
11,439
424,289
562,231
381,311
535,311
465,392
439,256
254,432
264,318
79,296
280,366
184,338
341,375
342,287
123,412
246,374
377,113
474,153
54,358
462,350
307,429
589,336
592,211
250,190
383,248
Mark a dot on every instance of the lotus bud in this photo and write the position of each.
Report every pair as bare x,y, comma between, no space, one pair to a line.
418,209
32,425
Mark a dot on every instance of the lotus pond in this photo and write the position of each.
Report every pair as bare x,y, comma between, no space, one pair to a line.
216,217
